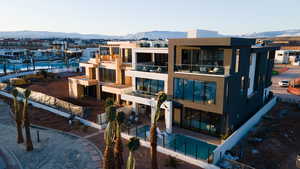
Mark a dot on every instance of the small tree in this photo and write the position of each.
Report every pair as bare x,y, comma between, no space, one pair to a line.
29,146
109,137
133,145
18,117
118,147
162,97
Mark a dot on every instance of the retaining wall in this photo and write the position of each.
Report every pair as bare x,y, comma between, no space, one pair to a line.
53,101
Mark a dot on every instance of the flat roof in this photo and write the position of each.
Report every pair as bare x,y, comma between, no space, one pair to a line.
226,41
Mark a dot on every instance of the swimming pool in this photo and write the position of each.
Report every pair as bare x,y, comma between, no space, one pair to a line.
2,164
186,145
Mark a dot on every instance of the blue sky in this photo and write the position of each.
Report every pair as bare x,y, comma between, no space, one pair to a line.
119,17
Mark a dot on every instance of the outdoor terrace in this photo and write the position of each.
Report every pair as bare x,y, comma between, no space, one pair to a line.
202,69
83,80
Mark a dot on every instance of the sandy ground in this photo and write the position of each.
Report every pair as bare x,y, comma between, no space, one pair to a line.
280,140
55,149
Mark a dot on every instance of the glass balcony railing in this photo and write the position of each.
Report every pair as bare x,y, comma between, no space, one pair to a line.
152,68
201,69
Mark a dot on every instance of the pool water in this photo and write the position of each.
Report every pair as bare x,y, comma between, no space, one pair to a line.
2,164
180,143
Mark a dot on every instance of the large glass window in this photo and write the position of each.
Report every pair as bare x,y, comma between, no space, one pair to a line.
203,56
178,88
202,121
199,91
149,86
188,90
194,90
107,75
210,92
201,60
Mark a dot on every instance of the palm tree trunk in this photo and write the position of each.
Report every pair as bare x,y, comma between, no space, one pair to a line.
130,161
153,142
20,138
108,158
18,117
29,146
118,150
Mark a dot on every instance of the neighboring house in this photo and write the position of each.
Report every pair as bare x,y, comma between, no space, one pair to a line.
149,75
105,75
88,53
287,56
14,55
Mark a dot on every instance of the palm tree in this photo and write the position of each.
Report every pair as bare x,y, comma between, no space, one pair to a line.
18,117
118,147
162,97
133,145
109,137
29,146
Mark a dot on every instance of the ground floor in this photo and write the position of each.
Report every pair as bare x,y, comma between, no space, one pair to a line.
175,115
197,120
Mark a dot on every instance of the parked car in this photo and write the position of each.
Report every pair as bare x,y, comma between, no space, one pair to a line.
284,83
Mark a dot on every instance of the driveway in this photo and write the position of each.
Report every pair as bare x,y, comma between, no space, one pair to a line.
281,92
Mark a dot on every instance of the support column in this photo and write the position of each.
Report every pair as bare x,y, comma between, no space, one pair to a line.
118,70
134,59
118,99
169,116
98,90
134,107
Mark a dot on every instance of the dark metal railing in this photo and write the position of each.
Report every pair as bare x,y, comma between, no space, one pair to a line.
204,69
151,68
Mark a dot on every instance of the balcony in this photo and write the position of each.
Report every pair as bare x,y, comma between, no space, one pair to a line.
151,68
115,88
202,69
83,80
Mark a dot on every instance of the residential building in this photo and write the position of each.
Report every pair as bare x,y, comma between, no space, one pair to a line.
287,56
149,75
105,75
216,84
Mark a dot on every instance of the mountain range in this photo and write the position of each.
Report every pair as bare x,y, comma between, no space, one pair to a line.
149,35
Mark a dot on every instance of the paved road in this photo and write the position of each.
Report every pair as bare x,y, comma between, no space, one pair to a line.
281,92
56,150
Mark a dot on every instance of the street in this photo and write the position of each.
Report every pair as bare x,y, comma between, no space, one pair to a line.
281,92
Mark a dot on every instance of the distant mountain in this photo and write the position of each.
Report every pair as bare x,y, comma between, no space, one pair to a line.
157,35
269,34
46,34
149,35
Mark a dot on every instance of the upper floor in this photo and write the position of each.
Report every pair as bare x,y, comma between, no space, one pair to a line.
212,74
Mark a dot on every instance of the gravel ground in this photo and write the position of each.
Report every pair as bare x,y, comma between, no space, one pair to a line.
56,150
